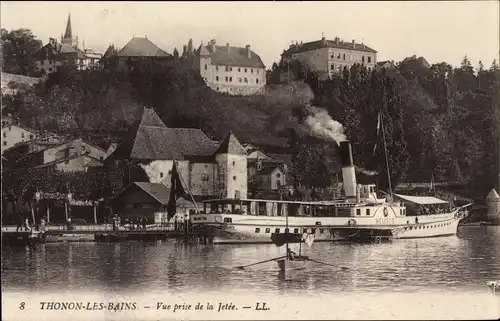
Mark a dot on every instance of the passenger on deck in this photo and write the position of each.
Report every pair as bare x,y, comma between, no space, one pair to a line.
291,254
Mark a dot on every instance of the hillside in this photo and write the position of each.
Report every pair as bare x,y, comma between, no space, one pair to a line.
424,117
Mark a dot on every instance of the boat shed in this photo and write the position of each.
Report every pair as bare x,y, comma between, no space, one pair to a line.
141,199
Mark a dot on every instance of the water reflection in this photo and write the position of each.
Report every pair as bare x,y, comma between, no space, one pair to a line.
463,262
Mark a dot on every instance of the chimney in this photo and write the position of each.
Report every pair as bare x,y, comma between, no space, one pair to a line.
348,173
227,45
336,40
323,39
363,44
353,44
249,53
212,45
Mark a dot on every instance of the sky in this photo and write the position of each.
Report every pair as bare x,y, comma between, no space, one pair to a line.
437,30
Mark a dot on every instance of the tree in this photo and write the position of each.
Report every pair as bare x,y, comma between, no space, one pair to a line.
494,65
18,48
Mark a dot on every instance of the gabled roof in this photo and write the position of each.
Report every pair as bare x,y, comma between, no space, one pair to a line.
231,145
92,161
150,139
141,47
157,191
493,195
314,45
235,56
110,52
268,170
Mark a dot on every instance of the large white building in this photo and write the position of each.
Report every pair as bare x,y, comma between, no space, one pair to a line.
330,57
208,169
229,69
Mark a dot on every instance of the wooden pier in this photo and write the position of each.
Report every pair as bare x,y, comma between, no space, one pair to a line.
99,234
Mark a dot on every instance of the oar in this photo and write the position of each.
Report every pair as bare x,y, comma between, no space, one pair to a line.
342,267
244,266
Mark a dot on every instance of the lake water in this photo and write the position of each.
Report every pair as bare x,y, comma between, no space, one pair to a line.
453,269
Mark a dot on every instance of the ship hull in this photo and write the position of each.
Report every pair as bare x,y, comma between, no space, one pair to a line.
255,230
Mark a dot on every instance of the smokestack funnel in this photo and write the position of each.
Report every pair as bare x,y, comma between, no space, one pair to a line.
346,154
348,171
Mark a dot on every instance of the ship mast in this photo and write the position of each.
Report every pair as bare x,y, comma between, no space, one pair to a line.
384,107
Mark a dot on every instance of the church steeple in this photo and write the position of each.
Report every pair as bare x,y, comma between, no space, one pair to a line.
68,33
67,38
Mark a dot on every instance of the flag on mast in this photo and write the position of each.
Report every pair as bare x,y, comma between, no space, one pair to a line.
176,191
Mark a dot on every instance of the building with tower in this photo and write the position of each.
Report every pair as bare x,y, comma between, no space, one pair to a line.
230,69
208,168
54,54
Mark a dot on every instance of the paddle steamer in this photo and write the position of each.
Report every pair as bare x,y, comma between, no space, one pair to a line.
361,214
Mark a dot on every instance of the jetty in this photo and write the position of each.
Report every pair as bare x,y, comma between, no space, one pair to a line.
99,233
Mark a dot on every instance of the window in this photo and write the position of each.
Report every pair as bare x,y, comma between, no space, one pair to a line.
257,230
251,70
217,78
358,211
321,231
217,88
5,143
230,79
4,134
230,68
161,174
101,158
169,172
234,163
239,69
228,220
234,178
22,135
246,80
268,230
313,230
278,175
240,79
338,55
369,59
363,58
287,230
31,136
227,78
331,56
344,56
256,81
295,230
332,67
277,230
216,68
245,70
227,68
367,211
